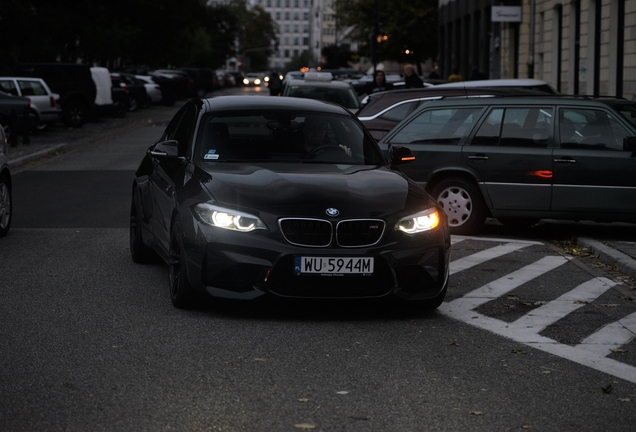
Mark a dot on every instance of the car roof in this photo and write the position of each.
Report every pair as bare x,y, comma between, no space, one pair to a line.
514,82
221,103
304,83
526,100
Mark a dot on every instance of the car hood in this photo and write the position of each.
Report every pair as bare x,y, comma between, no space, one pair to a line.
303,190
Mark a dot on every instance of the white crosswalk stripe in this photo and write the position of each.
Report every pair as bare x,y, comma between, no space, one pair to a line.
592,351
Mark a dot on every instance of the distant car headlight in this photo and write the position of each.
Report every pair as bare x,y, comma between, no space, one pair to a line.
228,219
257,81
266,79
419,222
246,81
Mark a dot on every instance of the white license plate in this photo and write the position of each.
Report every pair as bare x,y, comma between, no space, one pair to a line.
333,266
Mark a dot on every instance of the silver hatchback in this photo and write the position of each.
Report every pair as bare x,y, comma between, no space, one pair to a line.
44,103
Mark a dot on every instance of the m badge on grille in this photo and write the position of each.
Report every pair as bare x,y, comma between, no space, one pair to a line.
332,212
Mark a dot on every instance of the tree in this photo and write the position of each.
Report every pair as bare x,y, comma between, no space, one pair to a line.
408,26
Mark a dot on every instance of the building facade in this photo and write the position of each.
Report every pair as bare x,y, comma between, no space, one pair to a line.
578,46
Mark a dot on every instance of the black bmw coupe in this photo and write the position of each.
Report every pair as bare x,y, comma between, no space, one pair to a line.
245,196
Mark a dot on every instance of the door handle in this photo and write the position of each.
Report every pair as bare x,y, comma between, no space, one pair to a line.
478,156
565,159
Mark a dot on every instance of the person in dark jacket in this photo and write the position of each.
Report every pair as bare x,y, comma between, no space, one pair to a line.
411,79
379,83
275,85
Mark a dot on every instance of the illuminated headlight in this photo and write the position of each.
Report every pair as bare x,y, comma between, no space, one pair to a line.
227,219
419,222
266,79
257,81
246,81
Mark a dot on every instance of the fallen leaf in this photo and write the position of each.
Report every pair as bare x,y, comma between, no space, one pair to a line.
260,359
581,302
624,399
53,275
538,303
517,351
608,389
303,400
610,305
305,426
342,392
546,372
527,427
476,413
618,350
454,343
627,298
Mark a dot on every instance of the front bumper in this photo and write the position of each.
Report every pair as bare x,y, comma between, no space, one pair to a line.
230,264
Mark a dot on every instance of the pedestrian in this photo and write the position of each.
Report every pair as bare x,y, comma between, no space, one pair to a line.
275,85
411,79
379,83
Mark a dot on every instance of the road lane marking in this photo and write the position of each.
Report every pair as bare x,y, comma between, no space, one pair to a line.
591,352
612,336
483,256
548,314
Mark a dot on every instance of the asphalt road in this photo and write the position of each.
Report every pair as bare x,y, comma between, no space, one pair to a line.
90,341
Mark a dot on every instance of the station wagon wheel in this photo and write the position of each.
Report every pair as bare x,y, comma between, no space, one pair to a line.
75,113
462,203
5,206
181,292
141,254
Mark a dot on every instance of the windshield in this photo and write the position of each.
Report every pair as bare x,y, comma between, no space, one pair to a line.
284,136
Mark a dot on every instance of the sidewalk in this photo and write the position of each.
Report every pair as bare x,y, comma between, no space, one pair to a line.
621,254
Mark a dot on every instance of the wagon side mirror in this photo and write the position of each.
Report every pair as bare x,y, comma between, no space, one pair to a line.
400,155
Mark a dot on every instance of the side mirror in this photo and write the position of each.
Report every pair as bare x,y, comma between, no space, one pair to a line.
166,149
400,155
629,144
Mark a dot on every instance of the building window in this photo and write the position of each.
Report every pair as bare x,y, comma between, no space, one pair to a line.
286,53
295,53
269,3
287,15
277,15
286,3
296,41
306,16
296,16
287,28
295,28
277,3
296,3
305,41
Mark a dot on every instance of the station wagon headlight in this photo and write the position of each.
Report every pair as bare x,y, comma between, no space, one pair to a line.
423,221
228,219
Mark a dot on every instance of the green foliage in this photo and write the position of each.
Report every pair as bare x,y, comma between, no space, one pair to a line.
336,57
157,33
409,26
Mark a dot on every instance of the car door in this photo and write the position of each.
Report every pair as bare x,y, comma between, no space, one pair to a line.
434,136
512,153
592,173
165,174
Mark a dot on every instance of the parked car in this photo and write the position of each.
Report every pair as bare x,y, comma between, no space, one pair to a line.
237,76
137,95
153,90
516,83
109,100
521,159
73,82
204,81
382,111
339,225
6,183
16,117
322,86
175,84
44,103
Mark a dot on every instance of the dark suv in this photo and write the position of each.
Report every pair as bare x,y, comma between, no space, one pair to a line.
521,159
73,82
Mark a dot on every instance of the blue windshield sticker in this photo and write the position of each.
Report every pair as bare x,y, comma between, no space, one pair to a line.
211,151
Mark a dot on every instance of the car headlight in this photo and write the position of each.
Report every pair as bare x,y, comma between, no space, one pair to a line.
419,222
266,79
246,81
228,219
257,81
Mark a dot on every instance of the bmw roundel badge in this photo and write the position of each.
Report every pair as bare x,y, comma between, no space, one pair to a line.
332,212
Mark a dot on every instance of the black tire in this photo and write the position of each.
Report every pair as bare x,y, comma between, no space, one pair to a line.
119,109
140,252
6,208
181,292
463,204
74,113
518,222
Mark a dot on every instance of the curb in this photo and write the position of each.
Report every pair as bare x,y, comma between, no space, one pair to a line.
23,160
624,263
